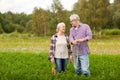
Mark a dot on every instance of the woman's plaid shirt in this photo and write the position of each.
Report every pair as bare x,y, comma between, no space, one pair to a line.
52,45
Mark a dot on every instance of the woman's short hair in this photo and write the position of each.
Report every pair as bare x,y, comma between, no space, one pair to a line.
74,17
59,25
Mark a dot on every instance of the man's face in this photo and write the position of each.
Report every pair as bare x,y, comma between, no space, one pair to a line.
73,22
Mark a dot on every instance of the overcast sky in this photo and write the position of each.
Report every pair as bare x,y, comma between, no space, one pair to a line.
27,6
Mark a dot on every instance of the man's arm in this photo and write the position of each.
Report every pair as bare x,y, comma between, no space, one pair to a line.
88,35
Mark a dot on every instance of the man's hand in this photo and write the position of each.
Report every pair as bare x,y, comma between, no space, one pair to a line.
81,40
74,42
78,40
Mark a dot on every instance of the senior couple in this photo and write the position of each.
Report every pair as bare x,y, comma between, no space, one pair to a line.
60,49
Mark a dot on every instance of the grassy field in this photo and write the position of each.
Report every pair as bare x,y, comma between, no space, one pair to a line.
26,58
30,44
104,45
29,66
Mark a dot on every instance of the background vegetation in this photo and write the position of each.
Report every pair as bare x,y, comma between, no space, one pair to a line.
99,14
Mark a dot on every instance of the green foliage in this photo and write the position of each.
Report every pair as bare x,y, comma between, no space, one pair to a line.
99,14
30,66
44,25
19,28
40,23
58,14
1,29
9,28
12,27
111,32
22,18
9,17
93,12
28,27
11,21
56,6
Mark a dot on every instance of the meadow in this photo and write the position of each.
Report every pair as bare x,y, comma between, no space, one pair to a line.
26,58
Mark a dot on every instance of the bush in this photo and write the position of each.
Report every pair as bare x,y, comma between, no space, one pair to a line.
19,28
16,34
1,29
9,28
111,32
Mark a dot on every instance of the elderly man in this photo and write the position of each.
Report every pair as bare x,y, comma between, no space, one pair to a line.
80,34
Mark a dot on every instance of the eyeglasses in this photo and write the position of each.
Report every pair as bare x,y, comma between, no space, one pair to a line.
72,20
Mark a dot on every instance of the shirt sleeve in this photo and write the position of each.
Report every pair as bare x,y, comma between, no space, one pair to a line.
71,36
88,33
68,45
52,50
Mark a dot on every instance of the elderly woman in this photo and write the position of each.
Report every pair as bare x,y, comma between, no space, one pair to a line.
60,48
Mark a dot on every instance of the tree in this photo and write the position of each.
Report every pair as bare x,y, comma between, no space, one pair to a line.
19,28
28,27
93,12
116,14
57,10
9,17
57,15
81,8
22,19
1,29
40,23
1,23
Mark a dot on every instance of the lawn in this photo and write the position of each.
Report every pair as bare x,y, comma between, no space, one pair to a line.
26,58
103,45
30,66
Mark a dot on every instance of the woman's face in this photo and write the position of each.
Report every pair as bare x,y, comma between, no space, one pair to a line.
62,29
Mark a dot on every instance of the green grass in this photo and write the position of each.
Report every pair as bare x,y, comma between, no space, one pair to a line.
29,44
25,57
103,45
30,66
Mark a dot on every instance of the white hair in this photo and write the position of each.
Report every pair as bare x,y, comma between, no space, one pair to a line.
59,25
74,17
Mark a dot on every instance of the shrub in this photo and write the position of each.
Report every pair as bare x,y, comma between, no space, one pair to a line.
111,32
8,28
1,29
19,28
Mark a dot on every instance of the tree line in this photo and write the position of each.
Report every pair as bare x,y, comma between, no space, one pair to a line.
99,14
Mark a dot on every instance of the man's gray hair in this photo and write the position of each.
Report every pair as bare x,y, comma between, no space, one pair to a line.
59,25
74,17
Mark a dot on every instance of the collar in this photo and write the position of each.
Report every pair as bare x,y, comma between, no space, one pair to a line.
80,24
55,35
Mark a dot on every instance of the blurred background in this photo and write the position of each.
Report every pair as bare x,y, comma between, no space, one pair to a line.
26,26
41,17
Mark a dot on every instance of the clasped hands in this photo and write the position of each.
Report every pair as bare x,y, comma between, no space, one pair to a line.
78,40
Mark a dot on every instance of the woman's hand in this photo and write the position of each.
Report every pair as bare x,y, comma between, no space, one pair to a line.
52,60
71,60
